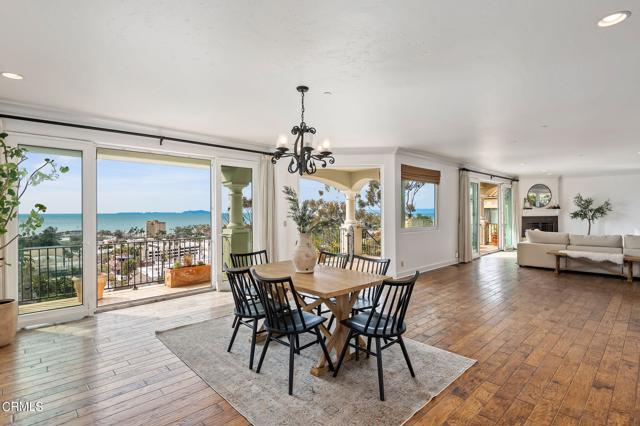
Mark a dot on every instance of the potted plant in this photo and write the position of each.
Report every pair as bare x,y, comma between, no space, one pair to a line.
102,283
307,219
14,181
587,211
181,274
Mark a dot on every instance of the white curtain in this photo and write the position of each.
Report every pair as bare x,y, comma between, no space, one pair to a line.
465,252
268,191
517,213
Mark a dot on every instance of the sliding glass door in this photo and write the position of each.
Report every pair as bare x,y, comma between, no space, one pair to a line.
51,262
507,217
474,203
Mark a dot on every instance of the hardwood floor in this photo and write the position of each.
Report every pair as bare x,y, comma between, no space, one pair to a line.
550,349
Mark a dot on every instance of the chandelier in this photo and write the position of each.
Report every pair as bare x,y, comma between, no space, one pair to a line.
303,159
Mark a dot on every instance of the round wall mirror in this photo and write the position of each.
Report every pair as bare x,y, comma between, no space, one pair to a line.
539,195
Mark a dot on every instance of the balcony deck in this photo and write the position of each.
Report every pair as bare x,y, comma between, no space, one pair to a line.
146,292
150,292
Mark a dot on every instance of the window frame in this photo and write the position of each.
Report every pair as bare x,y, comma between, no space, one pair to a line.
436,205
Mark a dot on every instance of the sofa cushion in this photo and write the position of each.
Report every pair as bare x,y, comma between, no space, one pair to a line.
632,251
596,249
542,237
632,241
596,240
535,254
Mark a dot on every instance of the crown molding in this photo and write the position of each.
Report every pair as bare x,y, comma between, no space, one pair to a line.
602,173
379,150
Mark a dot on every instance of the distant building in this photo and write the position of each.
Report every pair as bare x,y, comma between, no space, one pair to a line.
155,228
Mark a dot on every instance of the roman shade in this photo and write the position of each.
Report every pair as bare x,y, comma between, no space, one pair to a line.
419,174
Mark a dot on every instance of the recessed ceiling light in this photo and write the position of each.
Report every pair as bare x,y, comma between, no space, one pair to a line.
12,75
614,18
327,93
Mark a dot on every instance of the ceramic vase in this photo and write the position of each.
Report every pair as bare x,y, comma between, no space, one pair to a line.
304,255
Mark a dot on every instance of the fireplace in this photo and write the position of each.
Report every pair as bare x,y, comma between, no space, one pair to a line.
543,223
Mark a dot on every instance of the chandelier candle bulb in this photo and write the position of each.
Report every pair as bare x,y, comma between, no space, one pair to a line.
282,141
308,140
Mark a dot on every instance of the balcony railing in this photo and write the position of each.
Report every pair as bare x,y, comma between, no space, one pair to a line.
371,243
47,273
128,264
327,239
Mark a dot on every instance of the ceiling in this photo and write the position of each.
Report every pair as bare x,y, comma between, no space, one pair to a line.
520,87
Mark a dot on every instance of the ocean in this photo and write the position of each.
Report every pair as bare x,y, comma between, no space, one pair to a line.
426,212
125,221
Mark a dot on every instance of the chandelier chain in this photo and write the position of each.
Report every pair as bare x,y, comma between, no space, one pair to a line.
302,102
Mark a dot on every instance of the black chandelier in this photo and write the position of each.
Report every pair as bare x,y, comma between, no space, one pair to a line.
302,157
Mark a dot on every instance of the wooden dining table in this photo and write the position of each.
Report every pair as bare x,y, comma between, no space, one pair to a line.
334,287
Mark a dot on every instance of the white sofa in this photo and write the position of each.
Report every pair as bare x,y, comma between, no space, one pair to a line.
533,251
632,248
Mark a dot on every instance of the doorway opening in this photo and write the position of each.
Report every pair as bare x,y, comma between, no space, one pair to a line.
153,226
489,226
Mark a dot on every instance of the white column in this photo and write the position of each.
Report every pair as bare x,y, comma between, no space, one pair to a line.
351,222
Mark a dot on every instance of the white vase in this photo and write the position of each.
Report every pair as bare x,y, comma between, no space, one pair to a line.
304,255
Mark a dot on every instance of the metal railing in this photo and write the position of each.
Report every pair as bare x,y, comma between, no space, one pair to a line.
48,273
327,239
131,263
371,245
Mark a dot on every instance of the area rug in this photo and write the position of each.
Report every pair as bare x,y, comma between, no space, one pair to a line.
349,399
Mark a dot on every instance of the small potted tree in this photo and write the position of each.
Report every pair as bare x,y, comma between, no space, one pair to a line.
587,211
14,181
307,219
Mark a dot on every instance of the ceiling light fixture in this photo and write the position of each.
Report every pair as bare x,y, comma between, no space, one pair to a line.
614,18
302,159
12,75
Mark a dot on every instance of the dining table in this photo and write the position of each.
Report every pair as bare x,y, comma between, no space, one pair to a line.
336,288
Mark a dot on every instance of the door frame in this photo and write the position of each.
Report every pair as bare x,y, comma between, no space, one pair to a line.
503,224
475,251
89,206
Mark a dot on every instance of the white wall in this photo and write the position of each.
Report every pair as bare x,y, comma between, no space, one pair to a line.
419,249
622,190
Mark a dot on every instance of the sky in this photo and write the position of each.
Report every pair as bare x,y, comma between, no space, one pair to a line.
63,195
425,198
123,186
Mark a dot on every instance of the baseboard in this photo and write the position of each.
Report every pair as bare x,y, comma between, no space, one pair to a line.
426,268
